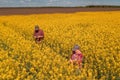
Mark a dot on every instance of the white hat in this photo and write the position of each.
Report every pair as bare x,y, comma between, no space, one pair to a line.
76,47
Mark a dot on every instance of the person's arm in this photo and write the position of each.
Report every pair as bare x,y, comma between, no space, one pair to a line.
71,61
80,58
41,34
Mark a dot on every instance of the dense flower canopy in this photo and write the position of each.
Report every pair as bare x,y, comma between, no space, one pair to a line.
97,34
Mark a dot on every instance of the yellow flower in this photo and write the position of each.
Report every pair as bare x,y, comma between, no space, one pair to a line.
97,33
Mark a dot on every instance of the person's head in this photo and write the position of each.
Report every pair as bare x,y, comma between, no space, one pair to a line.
36,28
75,48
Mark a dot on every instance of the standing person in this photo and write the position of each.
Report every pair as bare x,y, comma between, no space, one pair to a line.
77,56
38,34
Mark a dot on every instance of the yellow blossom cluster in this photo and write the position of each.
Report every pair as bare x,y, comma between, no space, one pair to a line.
97,34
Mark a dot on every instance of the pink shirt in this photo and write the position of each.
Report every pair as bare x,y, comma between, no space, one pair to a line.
39,33
78,56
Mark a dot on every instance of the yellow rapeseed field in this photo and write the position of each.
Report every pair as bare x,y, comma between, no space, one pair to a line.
97,33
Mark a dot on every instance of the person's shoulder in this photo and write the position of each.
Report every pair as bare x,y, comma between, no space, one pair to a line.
78,51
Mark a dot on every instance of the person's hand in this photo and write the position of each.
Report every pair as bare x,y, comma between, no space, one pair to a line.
71,60
35,36
40,36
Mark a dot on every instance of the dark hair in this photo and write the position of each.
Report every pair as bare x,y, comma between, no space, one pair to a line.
36,27
36,31
73,52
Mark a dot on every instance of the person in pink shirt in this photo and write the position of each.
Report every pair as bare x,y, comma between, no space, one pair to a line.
38,34
77,56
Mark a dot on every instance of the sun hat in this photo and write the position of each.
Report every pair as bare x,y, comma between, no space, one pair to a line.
76,47
36,27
